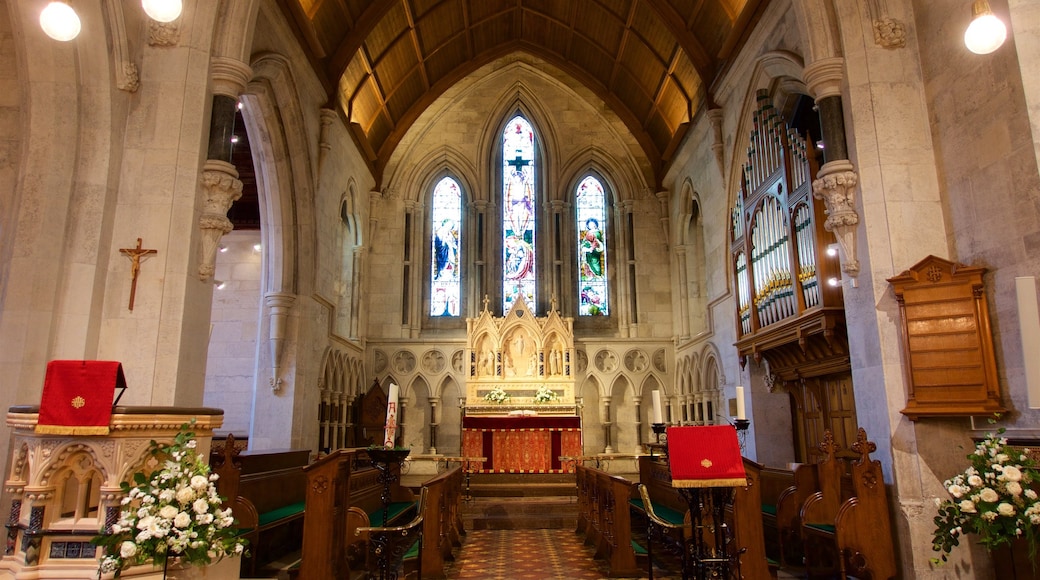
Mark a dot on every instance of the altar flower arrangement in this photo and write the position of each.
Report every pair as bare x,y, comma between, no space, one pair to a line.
172,513
993,498
545,395
497,396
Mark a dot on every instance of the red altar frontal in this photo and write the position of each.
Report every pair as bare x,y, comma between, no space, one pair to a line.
519,444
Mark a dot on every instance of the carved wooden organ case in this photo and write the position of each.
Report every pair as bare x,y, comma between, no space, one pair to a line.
787,312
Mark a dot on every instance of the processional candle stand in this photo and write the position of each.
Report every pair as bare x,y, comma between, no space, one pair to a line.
387,461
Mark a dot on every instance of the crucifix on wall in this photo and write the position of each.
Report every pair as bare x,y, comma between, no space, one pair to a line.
135,255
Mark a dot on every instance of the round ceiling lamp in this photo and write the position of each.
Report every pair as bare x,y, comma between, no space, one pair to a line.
162,10
986,32
59,21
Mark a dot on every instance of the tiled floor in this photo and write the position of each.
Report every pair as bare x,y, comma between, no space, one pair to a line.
533,555
528,555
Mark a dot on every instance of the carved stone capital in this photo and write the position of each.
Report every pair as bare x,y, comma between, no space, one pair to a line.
229,76
823,77
220,187
889,32
836,186
163,33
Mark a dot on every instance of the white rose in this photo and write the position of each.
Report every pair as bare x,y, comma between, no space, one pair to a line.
974,480
1030,494
1006,509
127,549
182,520
988,495
956,490
199,482
145,522
967,506
200,506
1014,488
185,495
168,512
1012,473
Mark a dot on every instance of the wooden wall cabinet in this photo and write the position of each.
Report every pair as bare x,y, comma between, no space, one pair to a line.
947,341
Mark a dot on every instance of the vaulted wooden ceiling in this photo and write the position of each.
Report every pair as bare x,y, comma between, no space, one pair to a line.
652,61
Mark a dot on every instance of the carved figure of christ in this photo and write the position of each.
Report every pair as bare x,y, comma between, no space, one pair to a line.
135,255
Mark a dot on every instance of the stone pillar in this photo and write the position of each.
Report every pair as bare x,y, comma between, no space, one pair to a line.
684,291
435,420
478,289
639,420
836,181
607,424
219,182
558,283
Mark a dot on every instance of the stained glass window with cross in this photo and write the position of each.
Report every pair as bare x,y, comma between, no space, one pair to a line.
518,213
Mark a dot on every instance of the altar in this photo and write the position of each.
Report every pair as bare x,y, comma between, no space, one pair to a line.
522,444
520,411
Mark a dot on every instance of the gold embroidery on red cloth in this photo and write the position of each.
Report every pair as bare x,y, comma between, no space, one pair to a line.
79,402
706,463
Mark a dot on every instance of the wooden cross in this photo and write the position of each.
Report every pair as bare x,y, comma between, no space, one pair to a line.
135,255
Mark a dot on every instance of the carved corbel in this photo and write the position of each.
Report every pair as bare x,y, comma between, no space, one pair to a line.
888,32
717,142
220,188
836,186
279,304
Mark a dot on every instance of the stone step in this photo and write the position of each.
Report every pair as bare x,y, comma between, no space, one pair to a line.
520,513
522,490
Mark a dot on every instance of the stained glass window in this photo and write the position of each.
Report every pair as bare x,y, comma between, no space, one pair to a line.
518,213
446,215
591,213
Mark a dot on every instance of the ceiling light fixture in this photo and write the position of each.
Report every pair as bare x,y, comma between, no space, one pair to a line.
59,21
162,10
257,247
220,284
986,33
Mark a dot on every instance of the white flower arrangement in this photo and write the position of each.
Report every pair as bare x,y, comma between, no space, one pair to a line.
497,396
174,512
545,395
992,498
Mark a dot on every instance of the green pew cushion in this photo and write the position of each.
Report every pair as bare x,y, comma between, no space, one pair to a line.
281,513
769,509
375,519
821,527
665,513
638,548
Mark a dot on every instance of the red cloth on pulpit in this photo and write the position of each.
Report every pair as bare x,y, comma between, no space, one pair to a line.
706,456
77,397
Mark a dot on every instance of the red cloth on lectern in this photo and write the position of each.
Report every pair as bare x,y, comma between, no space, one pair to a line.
706,456
77,397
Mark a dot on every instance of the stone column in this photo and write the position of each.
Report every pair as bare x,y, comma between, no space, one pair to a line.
219,182
558,282
478,211
607,424
836,181
639,420
435,421
684,291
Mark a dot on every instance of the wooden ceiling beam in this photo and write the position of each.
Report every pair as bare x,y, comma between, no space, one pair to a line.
366,23
703,62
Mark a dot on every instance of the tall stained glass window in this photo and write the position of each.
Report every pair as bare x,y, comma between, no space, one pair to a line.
591,214
518,213
446,212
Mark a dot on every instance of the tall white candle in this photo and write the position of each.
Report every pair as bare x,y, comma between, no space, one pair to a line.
658,414
391,416
741,412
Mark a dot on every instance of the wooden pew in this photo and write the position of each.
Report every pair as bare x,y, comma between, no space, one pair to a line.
608,520
773,482
266,491
820,510
744,518
789,515
344,494
860,531
442,522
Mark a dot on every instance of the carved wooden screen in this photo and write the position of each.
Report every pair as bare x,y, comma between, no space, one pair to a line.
778,228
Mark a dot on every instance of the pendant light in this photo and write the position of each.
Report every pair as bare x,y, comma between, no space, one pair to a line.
986,32
162,10
59,21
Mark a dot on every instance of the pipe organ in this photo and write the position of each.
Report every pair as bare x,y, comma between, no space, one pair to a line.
778,242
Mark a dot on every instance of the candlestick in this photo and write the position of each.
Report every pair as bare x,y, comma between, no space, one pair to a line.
391,416
658,414
741,412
